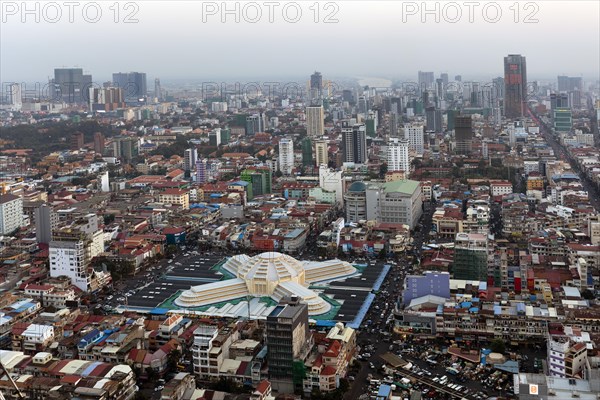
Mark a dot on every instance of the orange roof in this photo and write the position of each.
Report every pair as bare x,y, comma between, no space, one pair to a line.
263,386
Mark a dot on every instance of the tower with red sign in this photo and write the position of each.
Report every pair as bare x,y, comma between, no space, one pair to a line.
515,86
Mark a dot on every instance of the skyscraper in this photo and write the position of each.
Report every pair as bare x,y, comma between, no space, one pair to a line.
314,121
397,155
316,86
363,105
157,89
354,143
322,152
133,84
70,86
515,86
463,134
425,80
434,119
393,121
286,156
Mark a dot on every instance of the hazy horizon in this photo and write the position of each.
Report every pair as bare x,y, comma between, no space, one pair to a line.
369,39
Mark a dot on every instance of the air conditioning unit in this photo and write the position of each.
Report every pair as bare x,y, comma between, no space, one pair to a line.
551,392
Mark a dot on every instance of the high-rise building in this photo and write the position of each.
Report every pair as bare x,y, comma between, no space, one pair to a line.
157,89
288,344
316,86
563,119
471,257
214,137
315,119
393,122
398,156
286,156
363,105
73,247
201,176
133,85
125,148
396,105
559,100
255,123
458,78
11,213
307,152
70,86
190,156
322,152
99,143
569,83
426,80
46,221
77,140
15,96
106,99
354,143
463,134
434,119
515,86
414,134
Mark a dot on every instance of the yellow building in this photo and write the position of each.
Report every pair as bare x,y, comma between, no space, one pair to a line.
175,196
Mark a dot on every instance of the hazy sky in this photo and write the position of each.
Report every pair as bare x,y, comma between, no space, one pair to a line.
171,40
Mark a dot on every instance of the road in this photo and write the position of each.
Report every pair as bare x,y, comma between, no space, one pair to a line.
561,152
388,295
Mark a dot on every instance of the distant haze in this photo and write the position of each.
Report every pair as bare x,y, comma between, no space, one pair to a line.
370,40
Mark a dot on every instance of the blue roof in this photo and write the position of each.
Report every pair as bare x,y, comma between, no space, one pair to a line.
240,183
295,233
384,391
159,311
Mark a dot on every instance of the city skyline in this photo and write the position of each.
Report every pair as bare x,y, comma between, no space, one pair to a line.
426,49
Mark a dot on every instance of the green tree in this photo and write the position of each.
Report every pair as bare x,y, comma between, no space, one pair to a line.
173,360
383,169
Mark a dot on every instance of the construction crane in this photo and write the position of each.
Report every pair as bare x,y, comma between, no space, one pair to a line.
4,371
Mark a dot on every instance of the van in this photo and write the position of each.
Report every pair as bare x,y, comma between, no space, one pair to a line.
375,382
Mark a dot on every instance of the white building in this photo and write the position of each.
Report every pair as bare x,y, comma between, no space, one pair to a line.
414,135
501,188
190,156
72,249
15,96
315,120
11,213
286,156
332,180
397,155
219,106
